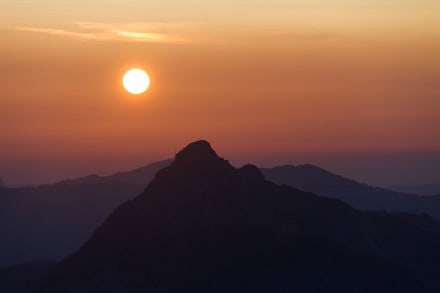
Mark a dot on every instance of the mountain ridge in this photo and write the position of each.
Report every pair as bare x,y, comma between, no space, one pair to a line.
202,224
63,215
361,196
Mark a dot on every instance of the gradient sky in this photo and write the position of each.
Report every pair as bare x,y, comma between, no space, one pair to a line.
351,85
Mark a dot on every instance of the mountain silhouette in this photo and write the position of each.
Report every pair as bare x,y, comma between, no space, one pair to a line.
361,196
419,189
202,225
62,216
51,221
139,176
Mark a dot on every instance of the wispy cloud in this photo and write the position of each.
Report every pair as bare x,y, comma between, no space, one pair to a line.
146,32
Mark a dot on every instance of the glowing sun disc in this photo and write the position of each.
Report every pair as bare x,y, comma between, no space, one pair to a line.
136,81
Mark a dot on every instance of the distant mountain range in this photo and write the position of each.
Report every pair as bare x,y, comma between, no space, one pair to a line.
419,189
361,196
202,225
51,221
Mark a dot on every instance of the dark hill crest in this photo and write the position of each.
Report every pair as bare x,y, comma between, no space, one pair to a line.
197,150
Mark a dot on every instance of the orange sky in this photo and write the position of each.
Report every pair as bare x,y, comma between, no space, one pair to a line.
256,79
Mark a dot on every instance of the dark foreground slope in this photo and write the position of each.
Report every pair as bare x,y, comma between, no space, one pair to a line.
202,225
24,277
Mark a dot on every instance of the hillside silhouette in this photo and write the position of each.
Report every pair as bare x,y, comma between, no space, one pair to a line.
419,189
62,216
361,196
202,225
51,221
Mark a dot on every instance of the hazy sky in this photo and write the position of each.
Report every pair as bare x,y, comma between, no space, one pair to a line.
266,81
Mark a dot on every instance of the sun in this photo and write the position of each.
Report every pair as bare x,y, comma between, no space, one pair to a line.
136,81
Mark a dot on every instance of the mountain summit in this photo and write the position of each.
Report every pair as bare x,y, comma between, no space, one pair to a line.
202,225
201,155
197,151
198,161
